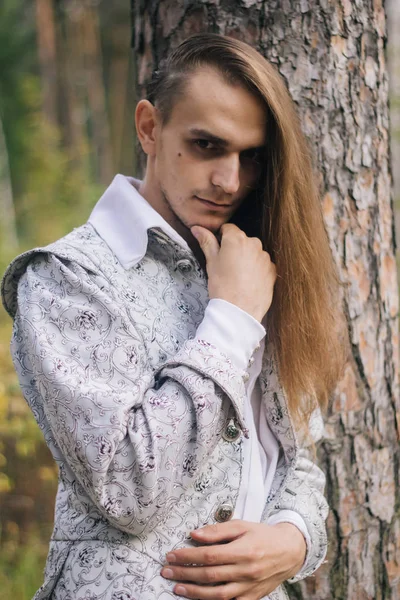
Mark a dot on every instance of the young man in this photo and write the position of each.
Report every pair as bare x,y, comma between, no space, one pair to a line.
139,341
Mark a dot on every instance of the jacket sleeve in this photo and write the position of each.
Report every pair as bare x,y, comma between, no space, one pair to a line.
133,436
303,494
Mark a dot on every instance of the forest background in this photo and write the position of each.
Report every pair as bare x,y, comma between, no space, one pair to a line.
66,127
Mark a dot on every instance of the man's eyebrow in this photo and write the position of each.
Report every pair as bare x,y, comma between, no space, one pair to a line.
214,139
203,133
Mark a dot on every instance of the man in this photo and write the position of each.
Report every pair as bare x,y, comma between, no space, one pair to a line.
139,341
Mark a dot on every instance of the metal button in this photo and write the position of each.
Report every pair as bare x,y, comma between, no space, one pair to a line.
184,265
251,361
224,513
245,377
232,431
257,347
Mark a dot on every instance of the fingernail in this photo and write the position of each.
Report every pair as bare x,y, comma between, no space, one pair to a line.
180,590
167,573
171,558
199,532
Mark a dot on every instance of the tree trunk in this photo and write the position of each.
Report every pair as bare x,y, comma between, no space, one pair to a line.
46,40
393,20
72,91
8,227
332,56
116,39
96,91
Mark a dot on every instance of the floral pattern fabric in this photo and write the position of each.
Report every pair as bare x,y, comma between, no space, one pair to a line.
133,409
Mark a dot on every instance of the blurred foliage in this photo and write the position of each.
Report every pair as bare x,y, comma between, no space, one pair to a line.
16,61
53,190
58,193
21,565
23,457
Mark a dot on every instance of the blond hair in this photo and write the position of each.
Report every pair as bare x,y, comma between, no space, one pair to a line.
305,321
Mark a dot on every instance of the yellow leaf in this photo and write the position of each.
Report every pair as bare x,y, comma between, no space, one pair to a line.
5,483
47,474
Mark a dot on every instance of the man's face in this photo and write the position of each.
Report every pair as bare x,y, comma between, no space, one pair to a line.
208,156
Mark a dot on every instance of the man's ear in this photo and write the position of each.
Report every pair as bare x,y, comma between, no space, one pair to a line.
146,126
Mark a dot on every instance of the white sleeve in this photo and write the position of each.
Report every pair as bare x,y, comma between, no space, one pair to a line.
232,330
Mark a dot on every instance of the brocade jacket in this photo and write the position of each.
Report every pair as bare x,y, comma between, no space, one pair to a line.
145,422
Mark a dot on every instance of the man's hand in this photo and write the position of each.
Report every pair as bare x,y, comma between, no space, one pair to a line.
256,560
239,270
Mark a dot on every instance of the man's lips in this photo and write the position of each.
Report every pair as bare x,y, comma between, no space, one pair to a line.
216,205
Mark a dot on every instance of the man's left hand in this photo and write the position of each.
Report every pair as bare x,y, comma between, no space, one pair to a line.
252,562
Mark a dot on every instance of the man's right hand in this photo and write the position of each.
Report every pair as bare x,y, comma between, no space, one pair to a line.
239,270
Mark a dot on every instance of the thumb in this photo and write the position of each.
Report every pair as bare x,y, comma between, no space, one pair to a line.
207,241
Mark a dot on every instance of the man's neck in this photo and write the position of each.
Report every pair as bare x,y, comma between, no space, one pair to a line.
157,200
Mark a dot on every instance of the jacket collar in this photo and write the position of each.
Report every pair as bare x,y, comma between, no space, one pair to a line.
122,217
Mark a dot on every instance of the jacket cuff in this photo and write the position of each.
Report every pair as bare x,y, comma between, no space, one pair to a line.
205,358
313,509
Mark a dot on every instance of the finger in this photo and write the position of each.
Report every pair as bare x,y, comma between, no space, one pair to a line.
231,233
209,575
257,242
207,241
229,228
220,532
223,592
226,554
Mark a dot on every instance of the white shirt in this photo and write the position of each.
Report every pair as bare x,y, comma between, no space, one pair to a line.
122,217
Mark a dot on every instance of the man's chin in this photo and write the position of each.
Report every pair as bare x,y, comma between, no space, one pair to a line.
213,225
213,228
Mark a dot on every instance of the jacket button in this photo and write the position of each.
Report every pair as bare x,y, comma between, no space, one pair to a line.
251,362
223,513
184,265
245,377
232,431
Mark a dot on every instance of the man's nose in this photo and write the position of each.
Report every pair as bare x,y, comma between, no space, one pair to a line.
227,174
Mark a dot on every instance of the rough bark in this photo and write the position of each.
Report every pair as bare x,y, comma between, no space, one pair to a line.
393,21
332,56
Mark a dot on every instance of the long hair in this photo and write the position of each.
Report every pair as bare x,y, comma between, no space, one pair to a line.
305,322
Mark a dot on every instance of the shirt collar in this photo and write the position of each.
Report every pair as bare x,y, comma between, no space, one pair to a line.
122,217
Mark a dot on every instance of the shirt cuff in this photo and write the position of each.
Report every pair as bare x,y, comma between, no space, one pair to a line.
234,331
289,516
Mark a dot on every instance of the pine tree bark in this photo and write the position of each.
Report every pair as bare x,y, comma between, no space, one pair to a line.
332,56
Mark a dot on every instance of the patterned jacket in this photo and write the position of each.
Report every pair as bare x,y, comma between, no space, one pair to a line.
145,422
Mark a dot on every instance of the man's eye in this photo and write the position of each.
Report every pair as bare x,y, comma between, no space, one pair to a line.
204,144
